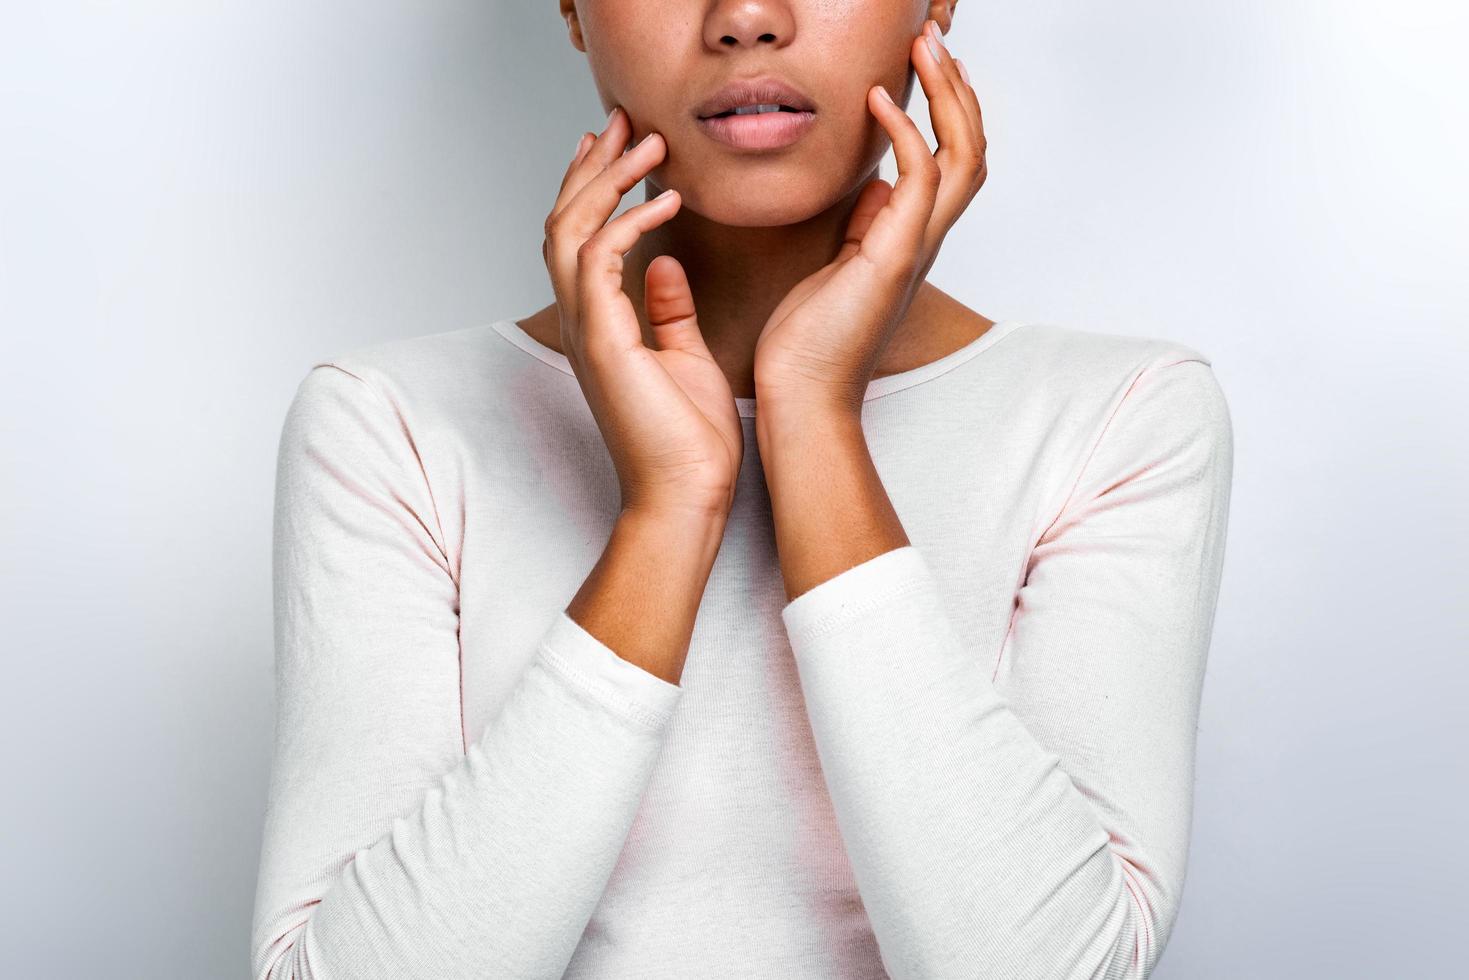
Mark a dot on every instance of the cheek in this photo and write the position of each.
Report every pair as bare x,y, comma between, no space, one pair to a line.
870,44
633,48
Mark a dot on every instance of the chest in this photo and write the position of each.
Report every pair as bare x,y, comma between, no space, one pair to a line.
737,801
973,505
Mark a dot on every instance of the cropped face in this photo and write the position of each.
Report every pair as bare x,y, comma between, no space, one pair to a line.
804,137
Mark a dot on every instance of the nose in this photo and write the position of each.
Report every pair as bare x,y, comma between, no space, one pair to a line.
747,23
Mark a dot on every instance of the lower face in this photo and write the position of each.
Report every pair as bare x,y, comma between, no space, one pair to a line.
770,168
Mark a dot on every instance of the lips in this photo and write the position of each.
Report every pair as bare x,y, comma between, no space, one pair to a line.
765,90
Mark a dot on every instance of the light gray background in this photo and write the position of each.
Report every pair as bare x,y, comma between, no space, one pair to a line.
197,200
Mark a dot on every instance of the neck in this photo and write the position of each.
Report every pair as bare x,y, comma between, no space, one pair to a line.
738,274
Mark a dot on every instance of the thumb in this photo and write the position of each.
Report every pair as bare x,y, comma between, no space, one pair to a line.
670,305
870,202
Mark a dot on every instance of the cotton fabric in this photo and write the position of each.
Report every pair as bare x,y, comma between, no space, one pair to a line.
972,756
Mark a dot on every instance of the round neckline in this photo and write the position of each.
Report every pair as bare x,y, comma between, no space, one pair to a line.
876,388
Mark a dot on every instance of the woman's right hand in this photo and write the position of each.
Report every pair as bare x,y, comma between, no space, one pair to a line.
668,416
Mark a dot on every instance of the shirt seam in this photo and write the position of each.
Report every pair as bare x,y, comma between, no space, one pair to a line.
1101,437
830,621
438,523
1081,472
649,718
941,370
511,333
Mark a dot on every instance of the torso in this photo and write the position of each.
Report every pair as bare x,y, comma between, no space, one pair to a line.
735,863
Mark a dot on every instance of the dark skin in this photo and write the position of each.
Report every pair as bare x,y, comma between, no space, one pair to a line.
740,271
806,269
937,324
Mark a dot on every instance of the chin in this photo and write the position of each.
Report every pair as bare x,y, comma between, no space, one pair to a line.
720,198
744,215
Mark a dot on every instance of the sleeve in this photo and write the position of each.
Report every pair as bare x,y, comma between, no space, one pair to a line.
1040,830
391,848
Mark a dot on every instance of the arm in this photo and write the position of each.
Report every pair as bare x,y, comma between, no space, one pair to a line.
1042,831
391,847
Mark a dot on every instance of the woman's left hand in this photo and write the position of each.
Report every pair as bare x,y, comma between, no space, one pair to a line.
822,344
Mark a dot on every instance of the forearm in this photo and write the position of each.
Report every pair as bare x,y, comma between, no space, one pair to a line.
642,596
1020,807
974,853
396,842
829,506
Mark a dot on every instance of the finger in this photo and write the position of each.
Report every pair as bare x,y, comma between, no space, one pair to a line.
958,153
606,147
576,176
581,149
896,232
670,304
599,265
581,217
870,203
970,98
940,79
590,207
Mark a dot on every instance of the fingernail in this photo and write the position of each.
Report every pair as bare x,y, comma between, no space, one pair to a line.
610,116
962,73
664,194
935,39
933,49
882,91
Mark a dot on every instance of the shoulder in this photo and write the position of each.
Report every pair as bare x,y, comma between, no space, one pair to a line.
416,368
1092,354
1102,371
417,381
1109,404
406,401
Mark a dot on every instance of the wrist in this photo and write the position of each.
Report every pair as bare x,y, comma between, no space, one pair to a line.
785,423
683,528
821,400
689,507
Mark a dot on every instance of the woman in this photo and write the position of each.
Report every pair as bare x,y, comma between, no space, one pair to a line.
956,745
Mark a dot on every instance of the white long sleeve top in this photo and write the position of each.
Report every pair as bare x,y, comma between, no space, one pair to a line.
969,757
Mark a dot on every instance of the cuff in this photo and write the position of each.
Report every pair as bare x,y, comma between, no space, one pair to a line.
598,671
858,590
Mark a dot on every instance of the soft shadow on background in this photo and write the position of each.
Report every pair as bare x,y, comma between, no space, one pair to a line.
197,202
